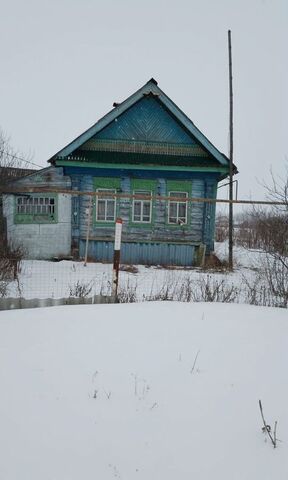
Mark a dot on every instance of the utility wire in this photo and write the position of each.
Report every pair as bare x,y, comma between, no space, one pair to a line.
20,158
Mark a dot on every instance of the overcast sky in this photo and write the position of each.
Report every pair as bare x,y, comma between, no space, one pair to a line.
64,63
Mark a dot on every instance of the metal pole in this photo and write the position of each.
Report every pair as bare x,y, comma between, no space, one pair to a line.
116,259
230,154
88,229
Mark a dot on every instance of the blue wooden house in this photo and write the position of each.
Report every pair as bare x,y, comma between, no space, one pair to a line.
145,159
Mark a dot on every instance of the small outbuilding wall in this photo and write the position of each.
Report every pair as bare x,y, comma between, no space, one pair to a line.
41,241
41,236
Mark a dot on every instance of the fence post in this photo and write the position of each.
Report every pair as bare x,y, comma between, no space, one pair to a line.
88,213
116,258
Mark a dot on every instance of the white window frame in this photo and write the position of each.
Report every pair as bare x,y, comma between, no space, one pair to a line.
143,192
178,218
35,205
105,200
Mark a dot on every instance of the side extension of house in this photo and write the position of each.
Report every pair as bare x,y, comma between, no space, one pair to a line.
40,222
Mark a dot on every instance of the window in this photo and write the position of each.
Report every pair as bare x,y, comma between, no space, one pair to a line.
36,205
177,209
142,212
142,208
36,209
105,205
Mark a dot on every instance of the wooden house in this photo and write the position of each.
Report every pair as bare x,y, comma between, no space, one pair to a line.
145,159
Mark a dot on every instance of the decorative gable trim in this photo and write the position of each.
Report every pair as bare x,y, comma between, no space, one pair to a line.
150,88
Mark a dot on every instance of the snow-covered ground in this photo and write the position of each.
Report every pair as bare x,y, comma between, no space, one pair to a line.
143,391
43,279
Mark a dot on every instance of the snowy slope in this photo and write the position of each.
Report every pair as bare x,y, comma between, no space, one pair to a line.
105,392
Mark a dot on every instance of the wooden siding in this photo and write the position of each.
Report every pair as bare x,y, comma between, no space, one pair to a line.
150,91
147,120
48,177
198,230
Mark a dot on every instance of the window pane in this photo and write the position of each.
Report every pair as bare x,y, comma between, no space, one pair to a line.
137,206
142,192
182,210
110,210
146,208
137,210
146,211
178,194
173,209
101,210
107,191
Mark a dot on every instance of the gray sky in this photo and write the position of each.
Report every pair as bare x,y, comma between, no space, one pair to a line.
64,62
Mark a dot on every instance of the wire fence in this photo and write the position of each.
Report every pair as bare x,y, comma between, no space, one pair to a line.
257,279
69,278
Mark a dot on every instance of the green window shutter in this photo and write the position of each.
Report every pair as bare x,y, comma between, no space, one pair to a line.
137,184
104,182
179,186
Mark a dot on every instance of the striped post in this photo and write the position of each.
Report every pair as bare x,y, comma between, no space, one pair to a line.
116,259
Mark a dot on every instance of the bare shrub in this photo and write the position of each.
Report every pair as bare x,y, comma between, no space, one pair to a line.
256,291
10,261
276,275
186,291
10,265
170,290
269,287
127,294
163,294
80,289
221,228
205,289
213,290
263,229
3,288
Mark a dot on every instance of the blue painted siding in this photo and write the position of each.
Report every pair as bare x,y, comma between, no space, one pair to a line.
149,174
146,121
155,243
